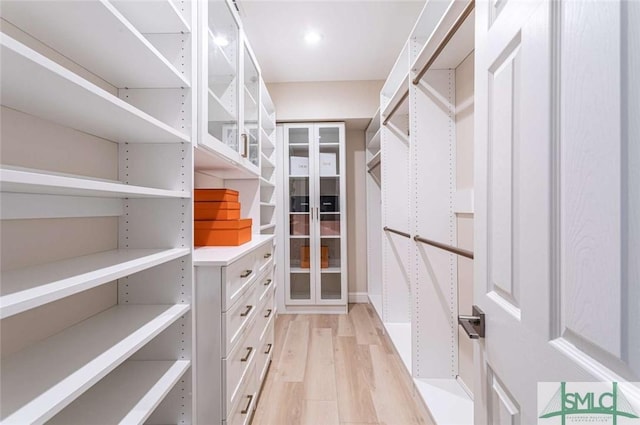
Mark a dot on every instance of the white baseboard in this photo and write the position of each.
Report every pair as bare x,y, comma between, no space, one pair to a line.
358,297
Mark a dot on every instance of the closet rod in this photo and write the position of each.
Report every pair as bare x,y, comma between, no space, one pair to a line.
395,108
455,250
397,232
452,31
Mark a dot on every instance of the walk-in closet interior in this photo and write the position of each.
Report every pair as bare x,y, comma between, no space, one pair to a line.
236,212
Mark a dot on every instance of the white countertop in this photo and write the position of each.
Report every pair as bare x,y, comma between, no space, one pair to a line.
225,255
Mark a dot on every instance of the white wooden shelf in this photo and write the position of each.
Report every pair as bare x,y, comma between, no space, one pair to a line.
212,157
268,204
446,400
217,110
98,37
33,84
266,121
32,181
374,143
157,17
400,335
299,270
128,395
267,226
374,161
41,380
267,143
396,99
266,183
266,162
30,287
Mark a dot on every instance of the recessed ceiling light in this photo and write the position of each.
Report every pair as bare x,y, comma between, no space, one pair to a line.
221,40
312,37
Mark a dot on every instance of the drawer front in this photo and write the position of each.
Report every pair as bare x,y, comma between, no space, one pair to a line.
264,256
266,313
236,365
236,319
265,284
237,278
265,354
246,401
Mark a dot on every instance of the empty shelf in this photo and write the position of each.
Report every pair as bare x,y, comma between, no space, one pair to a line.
266,183
94,35
267,226
268,204
41,380
128,395
27,288
267,143
266,162
154,17
374,142
33,84
217,110
33,181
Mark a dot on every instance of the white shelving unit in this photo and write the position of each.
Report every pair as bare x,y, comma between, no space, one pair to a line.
268,163
411,190
96,295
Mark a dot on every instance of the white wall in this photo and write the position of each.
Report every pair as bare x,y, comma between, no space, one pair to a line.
353,102
326,101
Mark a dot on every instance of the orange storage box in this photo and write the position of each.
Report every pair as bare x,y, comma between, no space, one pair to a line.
222,233
216,195
216,211
305,257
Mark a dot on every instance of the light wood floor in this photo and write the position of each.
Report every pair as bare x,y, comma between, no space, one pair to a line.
336,370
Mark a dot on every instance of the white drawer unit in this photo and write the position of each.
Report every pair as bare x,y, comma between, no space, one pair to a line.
234,328
237,318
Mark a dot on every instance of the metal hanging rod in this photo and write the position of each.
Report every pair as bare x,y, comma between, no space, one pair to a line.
397,232
395,108
456,26
455,250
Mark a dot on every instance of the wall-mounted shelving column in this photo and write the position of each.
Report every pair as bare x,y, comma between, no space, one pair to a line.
96,184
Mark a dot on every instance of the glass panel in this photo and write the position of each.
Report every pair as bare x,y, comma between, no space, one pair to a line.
330,254
329,160
300,267
299,135
299,194
329,135
330,224
299,161
329,194
222,97
330,286
251,90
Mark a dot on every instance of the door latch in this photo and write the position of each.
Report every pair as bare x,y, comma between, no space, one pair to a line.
473,325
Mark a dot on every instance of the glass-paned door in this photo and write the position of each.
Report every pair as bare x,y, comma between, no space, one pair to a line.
300,219
330,214
251,148
222,72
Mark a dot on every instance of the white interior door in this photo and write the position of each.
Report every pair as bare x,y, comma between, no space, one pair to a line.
556,235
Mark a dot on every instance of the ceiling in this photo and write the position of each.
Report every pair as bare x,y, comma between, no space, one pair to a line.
360,39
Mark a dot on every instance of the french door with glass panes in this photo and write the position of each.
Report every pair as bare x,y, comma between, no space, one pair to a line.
316,208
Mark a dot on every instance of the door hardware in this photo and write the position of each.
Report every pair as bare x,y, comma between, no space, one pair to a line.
473,325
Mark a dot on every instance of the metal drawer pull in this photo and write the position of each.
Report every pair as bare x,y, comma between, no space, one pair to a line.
268,313
268,349
246,313
246,409
267,255
268,282
473,325
246,273
249,351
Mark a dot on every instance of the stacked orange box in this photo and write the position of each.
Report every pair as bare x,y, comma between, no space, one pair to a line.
217,218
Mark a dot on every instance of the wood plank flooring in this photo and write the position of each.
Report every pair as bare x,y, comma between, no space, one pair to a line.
336,370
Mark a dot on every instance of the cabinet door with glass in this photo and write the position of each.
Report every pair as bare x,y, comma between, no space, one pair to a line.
316,214
220,44
249,136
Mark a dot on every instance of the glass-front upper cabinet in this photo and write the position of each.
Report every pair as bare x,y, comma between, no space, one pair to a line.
250,134
222,101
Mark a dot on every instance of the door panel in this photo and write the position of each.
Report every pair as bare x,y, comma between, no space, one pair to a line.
551,203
